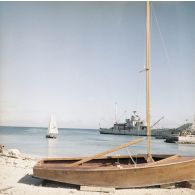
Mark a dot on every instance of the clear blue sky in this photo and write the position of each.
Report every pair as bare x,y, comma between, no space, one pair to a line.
76,59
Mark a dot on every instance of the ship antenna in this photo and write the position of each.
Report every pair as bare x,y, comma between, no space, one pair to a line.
115,112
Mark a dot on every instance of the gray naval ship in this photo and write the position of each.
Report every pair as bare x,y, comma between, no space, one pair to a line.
137,127
132,126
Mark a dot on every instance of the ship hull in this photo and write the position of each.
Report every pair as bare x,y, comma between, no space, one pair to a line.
128,132
102,172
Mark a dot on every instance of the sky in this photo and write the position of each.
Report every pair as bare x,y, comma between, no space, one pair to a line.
76,59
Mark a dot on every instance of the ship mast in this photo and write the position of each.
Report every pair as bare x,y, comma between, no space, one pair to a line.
116,112
148,77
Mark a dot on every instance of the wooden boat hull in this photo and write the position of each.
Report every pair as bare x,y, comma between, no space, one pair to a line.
123,176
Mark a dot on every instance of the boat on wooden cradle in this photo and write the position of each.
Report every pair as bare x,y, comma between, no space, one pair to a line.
52,129
121,171
118,171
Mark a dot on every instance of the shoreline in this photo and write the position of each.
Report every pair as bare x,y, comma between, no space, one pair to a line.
16,178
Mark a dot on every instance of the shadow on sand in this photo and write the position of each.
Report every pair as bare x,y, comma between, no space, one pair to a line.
30,180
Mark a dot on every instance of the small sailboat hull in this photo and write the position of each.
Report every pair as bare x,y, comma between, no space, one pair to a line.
52,136
118,172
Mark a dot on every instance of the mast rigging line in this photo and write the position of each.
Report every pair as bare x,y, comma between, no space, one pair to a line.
153,12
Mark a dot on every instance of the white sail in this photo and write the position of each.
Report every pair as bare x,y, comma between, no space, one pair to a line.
53,129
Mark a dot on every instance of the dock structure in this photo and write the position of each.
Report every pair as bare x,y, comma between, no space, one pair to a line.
188,139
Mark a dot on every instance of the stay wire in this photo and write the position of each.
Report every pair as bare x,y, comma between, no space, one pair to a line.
153,12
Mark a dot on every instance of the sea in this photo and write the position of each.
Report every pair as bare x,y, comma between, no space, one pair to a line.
81,142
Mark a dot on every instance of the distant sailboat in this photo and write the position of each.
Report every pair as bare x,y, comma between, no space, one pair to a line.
52,129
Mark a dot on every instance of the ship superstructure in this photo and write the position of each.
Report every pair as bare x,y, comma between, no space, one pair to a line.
132,126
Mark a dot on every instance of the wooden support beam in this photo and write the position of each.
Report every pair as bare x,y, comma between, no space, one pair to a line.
105,152
167,186
97,189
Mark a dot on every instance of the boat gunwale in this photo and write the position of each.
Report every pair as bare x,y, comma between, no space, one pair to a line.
88,169
106,157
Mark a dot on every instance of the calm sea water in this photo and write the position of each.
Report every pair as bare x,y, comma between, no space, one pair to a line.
80,142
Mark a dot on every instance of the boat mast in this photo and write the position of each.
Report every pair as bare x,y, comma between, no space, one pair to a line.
148,76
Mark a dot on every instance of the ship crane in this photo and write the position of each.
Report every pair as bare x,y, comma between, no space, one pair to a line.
157,121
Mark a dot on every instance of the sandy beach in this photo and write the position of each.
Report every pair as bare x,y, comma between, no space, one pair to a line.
16,178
